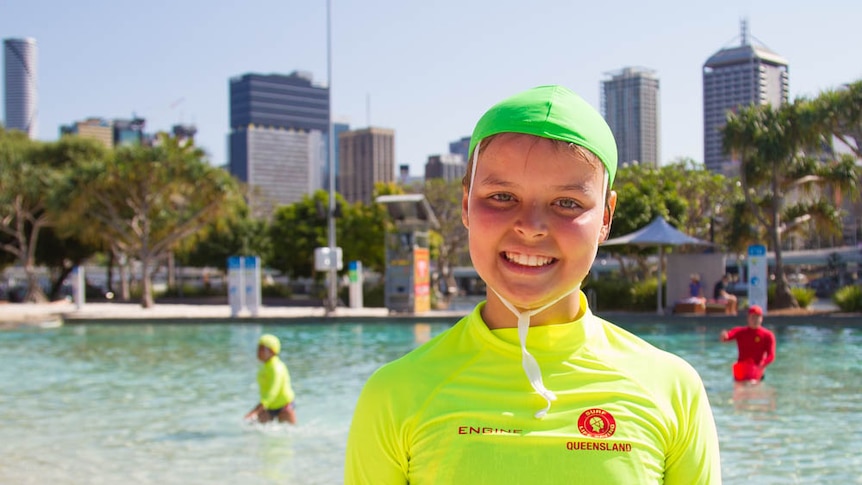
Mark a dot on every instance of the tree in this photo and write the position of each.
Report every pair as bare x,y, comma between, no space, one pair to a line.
225,237
363,227
444,197
839,112
32,194
784,173
684,193
145,200
297,229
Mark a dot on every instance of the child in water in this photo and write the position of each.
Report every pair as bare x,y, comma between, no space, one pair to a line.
276,394
532,387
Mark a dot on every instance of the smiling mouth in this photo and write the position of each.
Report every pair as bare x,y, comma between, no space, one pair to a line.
528,260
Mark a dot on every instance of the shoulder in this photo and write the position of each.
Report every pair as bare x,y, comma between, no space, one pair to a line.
643,360
444,350
431,360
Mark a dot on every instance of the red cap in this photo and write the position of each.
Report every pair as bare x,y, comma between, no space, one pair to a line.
755,310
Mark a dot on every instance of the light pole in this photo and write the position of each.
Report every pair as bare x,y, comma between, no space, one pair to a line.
332,299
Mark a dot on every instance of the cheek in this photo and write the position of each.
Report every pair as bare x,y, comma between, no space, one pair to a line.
485,219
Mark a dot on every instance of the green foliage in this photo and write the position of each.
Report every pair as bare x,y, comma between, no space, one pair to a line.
839,112
620,294
610,292
789,172
363,230
297,229
143,201
276,290
225,237
644,295
690,197
849,298
34,193
804,296
450,240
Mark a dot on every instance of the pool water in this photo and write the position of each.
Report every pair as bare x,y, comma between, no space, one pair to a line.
140,403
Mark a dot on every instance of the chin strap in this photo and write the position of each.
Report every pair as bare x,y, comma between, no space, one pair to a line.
531,366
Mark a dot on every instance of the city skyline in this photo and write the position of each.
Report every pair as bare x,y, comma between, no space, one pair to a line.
426,71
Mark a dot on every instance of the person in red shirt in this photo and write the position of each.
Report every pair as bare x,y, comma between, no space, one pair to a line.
756,346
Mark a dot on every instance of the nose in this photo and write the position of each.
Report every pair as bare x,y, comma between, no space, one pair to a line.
531,222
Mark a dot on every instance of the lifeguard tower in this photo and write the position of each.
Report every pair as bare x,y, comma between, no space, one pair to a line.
408,261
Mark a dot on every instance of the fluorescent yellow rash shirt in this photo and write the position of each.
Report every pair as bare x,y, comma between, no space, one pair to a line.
274,382
459,409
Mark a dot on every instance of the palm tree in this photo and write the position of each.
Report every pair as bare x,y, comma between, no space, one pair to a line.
785,165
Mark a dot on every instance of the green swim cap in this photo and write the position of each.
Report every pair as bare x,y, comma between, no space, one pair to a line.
552,112
271,342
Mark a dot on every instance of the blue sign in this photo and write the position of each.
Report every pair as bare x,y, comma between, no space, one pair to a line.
757,250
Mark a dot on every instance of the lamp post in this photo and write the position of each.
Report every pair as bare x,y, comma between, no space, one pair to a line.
332,298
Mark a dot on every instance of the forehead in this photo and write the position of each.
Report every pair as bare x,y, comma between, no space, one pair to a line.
511,150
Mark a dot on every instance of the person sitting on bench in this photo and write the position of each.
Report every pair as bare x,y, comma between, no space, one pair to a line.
721,295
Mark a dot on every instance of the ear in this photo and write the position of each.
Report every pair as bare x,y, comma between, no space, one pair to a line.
608,216
465,203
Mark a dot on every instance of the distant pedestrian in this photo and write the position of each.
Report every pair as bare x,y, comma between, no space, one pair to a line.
756,346
273,378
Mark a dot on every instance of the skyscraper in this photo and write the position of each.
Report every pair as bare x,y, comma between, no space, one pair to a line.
338,127
112,133
22,95
461,147
96,128
630,105
449,166
738,76
367,157
278,140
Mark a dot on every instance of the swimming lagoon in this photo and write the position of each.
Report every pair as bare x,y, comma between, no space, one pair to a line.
159,403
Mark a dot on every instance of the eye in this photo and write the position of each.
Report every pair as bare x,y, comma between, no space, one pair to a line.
568,203
502,197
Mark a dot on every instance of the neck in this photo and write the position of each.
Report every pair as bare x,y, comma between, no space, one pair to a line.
496,315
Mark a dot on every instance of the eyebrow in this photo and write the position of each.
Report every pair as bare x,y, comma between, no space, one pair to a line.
576,187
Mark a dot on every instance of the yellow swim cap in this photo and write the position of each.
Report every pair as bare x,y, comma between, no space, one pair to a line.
271,342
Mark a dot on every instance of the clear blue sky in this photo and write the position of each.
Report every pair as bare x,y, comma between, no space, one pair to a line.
426,69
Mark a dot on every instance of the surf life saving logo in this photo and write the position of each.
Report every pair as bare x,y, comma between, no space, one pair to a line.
597,423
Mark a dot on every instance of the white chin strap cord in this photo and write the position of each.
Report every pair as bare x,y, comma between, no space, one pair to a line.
531,366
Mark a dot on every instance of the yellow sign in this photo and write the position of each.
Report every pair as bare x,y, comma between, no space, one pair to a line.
421,280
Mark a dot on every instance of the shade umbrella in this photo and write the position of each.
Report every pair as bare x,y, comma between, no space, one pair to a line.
657,233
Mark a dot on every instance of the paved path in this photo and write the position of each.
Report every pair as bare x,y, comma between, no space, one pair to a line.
52,314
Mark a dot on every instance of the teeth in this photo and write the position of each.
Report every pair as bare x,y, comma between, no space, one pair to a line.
531,260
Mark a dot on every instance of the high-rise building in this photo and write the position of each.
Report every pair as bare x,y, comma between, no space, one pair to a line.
338,127
461,147
448,167
130,132
184,132
737,76
22,95
367,157
96,128
112,133
278,141
630,105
